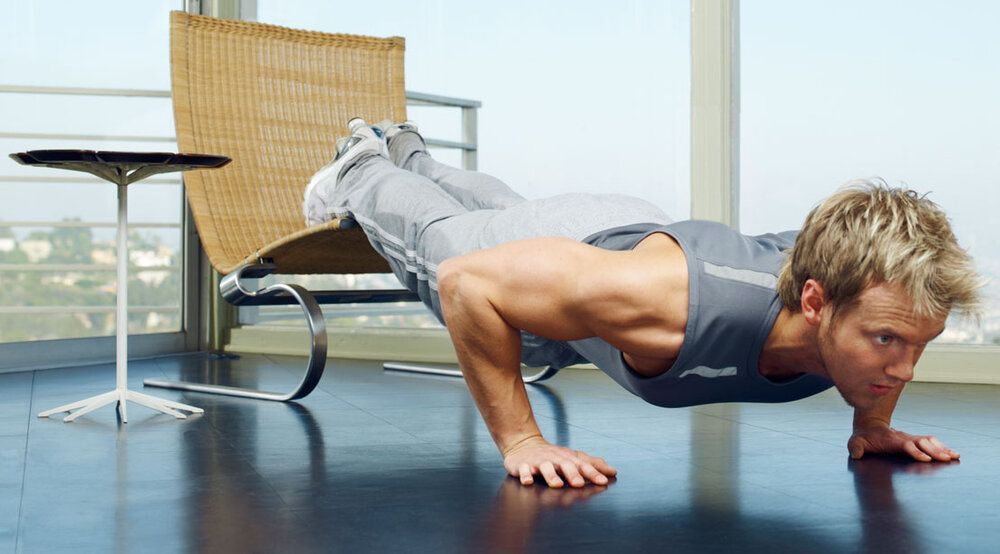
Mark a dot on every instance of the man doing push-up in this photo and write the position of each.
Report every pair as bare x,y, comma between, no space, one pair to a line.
679,313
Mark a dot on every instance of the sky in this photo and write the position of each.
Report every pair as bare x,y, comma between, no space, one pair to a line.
904,90
583,96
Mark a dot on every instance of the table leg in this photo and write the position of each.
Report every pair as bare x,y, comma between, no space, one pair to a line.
87,405
162,404
121,394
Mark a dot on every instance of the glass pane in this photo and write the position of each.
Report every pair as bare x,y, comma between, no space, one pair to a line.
576,96
108,44
57,228
866,89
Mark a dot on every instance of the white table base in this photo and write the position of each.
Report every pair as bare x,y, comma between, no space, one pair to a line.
94,402
121,394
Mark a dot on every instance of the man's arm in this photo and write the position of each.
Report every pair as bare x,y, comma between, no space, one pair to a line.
879,413
873,434
486,298
489,353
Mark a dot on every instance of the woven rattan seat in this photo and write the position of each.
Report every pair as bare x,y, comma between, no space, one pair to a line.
275,100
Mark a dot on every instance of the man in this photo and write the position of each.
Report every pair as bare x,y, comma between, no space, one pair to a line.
679,313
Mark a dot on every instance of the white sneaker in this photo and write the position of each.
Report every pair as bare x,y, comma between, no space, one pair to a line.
394,129
364,140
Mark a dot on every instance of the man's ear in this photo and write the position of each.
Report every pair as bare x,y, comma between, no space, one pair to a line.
813,300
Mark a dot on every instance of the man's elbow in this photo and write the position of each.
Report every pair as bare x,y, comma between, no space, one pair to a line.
456,289
448,275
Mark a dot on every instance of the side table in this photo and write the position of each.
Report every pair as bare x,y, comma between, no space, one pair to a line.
122,169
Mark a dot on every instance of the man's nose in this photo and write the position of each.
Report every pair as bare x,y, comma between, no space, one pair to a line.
902,371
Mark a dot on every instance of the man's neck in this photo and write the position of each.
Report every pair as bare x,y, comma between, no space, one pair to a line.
791,349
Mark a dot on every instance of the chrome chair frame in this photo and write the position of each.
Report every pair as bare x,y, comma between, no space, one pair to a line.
285,294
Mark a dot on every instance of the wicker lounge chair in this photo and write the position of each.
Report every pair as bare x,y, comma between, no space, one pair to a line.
275,100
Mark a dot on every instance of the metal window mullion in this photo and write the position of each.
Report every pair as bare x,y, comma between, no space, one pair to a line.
715,102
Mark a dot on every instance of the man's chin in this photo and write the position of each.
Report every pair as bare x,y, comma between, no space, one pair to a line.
856,401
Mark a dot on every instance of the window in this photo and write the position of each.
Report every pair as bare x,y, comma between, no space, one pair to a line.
836,91
57,228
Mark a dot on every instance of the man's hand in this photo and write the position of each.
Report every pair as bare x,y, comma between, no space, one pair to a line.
487,297
535,455
882,439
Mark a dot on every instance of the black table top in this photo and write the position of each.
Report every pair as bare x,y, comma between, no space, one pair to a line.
119,167
35,157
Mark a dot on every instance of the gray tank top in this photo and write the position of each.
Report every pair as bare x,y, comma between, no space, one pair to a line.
732,307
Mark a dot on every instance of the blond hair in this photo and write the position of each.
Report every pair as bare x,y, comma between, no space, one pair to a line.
868,233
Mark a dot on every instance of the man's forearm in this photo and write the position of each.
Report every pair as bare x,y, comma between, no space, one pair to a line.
489,353
880,412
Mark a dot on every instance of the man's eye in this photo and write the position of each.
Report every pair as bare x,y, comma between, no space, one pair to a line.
884,339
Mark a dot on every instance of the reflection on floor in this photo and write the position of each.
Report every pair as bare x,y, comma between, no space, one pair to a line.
375,461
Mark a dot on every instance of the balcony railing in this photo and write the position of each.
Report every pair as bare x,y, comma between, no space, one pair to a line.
468,146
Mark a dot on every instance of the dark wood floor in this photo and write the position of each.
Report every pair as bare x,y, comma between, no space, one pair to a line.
384,462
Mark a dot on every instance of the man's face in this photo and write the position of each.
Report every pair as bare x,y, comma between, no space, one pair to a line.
872,347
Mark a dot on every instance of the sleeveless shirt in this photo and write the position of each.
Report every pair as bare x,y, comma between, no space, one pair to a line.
732,307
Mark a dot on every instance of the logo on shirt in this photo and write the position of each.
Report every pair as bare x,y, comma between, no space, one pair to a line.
710,372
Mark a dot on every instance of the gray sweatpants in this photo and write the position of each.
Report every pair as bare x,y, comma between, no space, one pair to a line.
424,212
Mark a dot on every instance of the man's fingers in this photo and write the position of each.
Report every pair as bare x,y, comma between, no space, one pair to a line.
925,446
558,466
911,448
857,451
934,447
524,470
595,476
952,455
572,474
601,465
549,473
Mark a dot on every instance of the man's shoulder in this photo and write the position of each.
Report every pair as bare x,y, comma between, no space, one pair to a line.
704,227
718,243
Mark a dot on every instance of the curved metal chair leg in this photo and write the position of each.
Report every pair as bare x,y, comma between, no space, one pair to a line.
412,368
317,352
542,375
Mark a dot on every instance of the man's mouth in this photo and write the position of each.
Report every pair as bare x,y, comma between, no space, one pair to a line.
880,390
